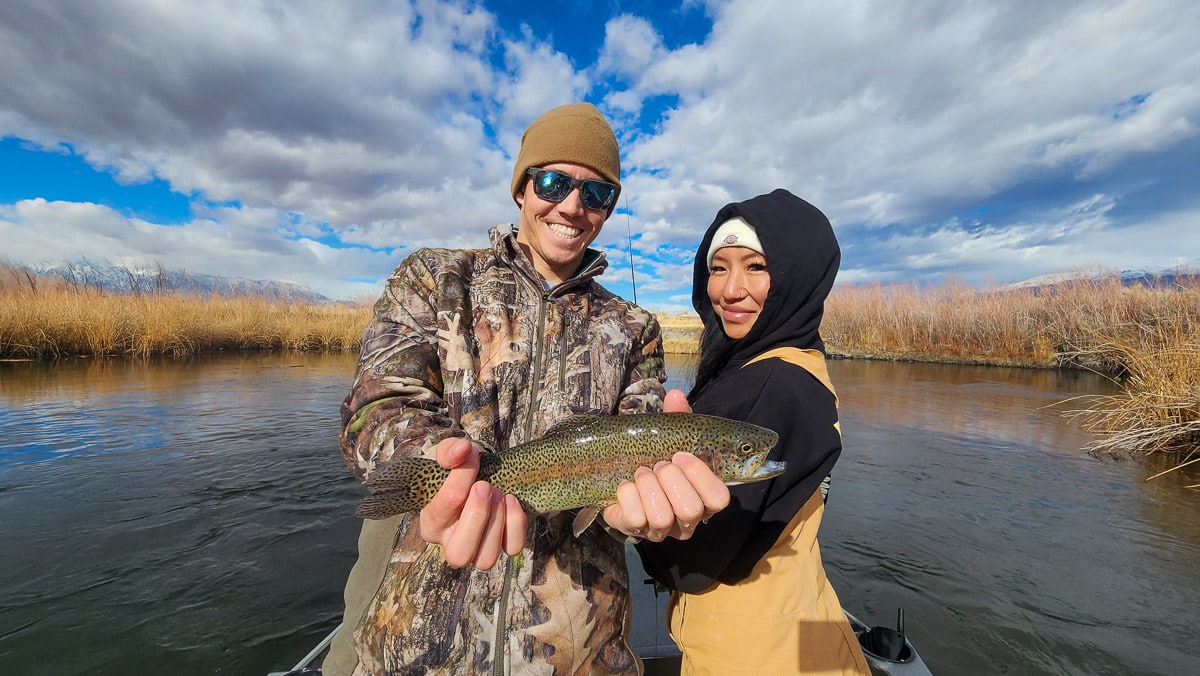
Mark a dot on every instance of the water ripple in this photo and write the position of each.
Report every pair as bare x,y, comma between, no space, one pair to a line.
196,518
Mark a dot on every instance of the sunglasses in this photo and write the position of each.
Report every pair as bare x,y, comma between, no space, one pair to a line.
554,186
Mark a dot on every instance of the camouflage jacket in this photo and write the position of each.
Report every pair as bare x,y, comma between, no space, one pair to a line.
474,338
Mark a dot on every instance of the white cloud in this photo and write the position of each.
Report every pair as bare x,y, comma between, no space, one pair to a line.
845,100
389,127
1081,235
229,242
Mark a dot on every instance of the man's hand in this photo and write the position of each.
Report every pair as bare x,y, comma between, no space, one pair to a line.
470,519
671,499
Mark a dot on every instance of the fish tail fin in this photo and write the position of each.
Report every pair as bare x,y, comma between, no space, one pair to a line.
402,485
381,506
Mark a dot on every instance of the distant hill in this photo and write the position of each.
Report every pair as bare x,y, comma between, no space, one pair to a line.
119,279
1185,273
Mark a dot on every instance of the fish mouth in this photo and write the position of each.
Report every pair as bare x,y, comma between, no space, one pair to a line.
756,469
768,469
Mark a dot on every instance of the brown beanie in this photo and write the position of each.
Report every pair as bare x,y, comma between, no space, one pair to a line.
575,133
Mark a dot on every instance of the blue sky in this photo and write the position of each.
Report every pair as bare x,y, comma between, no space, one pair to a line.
320,143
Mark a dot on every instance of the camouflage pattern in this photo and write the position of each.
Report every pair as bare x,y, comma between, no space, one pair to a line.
469,342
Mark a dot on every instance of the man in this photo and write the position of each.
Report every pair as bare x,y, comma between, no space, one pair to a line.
498,344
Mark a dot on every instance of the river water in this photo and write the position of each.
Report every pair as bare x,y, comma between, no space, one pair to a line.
194,517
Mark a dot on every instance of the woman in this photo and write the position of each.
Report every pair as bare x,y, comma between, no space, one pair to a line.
751,593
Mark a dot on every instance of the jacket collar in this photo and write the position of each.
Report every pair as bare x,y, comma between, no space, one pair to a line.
505,247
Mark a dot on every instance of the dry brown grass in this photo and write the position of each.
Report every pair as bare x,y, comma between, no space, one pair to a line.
681,332
50,322
1148,339
1158,409
952,322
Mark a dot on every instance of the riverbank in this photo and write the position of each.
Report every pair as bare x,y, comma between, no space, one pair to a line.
1147,338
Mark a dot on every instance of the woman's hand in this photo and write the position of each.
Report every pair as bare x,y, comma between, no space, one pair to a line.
471,520
671,499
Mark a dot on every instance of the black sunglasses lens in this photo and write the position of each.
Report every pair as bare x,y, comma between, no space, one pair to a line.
595,194
554,187
551,185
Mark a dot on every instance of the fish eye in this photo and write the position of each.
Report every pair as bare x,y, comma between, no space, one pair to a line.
746,448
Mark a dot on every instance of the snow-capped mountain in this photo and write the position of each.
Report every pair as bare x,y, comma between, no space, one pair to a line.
1183,272
120,279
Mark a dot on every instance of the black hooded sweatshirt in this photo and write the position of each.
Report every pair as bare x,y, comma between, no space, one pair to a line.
802,258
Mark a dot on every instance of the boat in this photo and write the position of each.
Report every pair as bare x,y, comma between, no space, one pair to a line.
888,652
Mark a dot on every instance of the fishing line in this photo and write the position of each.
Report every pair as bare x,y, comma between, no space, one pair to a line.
629,248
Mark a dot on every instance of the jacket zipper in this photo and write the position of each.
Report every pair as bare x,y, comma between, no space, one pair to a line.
499,642
562,354
536,358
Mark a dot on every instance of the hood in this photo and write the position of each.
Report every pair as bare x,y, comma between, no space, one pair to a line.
802,256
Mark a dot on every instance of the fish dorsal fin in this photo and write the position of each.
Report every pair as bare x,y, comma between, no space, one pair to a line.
571,423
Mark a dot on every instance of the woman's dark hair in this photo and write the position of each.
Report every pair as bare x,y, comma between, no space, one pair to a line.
715,350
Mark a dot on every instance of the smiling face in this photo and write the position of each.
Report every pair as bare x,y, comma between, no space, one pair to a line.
555,235
738,282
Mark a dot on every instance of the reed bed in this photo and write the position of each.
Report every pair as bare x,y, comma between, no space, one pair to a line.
951,322
57,323
1146,338
1158,409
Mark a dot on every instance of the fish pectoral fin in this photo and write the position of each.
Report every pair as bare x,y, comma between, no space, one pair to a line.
584,518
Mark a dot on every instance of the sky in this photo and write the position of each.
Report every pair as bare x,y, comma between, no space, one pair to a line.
320,143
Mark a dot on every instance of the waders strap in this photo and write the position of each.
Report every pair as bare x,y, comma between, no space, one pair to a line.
809,360
813,362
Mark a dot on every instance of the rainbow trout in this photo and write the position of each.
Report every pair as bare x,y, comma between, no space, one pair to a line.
580,462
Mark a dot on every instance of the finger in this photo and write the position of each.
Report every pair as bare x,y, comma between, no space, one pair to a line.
457,452
627,515
464,541
685,501
660,515
462,459
676,402
493,534
713,492
514,527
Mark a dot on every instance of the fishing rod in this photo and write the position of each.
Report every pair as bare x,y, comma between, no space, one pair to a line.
629,248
